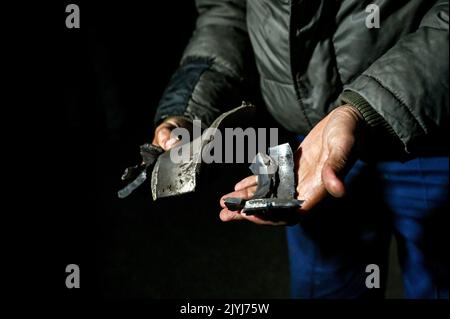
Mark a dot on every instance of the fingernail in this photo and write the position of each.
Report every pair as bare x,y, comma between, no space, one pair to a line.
171,142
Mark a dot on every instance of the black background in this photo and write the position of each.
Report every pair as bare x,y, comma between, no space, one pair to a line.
115,68
93,94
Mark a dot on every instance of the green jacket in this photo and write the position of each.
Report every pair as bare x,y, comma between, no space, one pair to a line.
314,55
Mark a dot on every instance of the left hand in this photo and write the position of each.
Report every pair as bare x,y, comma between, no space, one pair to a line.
321,162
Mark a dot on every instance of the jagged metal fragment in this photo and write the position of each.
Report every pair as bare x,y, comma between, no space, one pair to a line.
284,159
171,178
265,168
276,184
138,174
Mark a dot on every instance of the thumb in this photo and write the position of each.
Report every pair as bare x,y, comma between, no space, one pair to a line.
331,174
164,138
170,143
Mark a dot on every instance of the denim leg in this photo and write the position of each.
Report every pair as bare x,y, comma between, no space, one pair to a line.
330,249
417,194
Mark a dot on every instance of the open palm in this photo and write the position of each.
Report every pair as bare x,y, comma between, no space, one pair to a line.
321,162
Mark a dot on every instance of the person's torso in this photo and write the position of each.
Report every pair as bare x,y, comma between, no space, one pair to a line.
308,50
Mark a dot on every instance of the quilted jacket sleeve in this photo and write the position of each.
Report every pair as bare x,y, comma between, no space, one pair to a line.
405,92
216,66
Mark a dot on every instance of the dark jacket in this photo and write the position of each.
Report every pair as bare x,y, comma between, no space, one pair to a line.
314,55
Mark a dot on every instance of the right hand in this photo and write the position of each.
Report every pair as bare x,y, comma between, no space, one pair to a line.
163,137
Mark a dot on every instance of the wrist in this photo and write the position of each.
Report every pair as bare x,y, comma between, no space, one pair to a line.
353,110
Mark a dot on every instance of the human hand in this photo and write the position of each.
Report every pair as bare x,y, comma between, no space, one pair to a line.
321,162
326,154
244,189
163,137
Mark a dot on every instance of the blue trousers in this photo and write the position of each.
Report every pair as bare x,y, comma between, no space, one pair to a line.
330,249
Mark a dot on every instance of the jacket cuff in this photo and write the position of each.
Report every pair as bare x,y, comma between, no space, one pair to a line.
175,98
372,118
381,134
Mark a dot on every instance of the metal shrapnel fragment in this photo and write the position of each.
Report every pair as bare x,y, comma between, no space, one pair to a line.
170,178
138,173
276,184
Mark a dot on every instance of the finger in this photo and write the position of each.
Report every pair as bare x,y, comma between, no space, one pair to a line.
331,170
245,193
227,215
170,143
333,184
162,135
246,182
